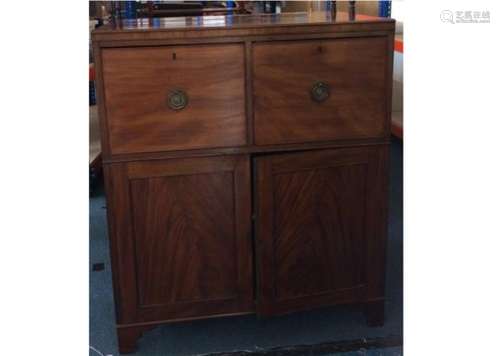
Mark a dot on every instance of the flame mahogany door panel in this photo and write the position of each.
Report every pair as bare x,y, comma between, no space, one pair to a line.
320,228
181,238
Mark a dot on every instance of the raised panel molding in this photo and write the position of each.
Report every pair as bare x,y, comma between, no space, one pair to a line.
318,241
316,233
189,237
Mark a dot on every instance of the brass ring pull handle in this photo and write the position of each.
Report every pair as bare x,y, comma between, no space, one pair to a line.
177,99
320,92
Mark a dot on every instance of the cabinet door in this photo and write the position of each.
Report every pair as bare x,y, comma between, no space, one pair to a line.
321,228
180,238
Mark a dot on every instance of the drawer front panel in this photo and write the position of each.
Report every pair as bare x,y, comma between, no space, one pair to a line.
320,90
174,98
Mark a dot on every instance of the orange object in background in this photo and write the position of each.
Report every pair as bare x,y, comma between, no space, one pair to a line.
398,46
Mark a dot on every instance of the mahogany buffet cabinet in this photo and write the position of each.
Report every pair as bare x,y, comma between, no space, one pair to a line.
246,164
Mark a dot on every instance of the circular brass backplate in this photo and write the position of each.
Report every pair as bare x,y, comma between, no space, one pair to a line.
320,92
177,99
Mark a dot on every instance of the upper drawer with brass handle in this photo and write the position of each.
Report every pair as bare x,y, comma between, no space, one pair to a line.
174,97
320,90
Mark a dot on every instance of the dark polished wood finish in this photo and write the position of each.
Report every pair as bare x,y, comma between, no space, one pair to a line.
315,232
205,27
189,108
185,247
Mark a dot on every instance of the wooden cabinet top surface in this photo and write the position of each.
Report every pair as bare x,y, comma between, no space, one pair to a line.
239,25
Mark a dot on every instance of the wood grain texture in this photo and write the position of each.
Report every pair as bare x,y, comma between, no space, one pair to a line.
249,90
188,250
178,183
101,101
389,82
257,20
235,26
311,228
246,150
137,82
284,73
121,242
376,223
318,229
185,250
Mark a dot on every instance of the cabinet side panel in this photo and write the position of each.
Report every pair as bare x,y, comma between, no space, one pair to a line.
100,100
121,241
377,223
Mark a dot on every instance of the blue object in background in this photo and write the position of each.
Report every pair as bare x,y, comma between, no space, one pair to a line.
328,5
130,10
91,93
230,5
384,8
